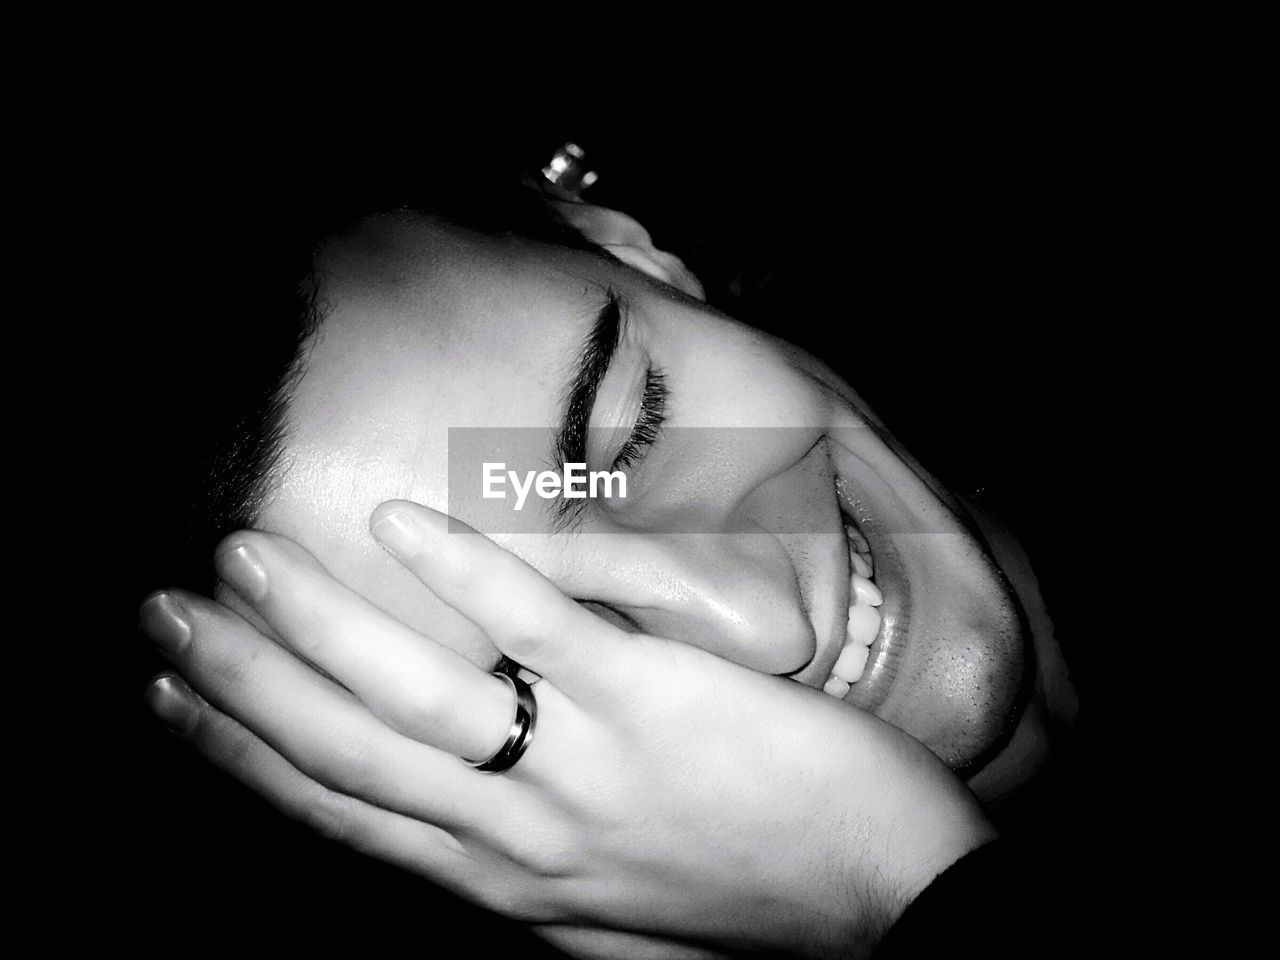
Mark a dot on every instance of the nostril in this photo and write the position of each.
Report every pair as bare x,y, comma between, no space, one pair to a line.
785,652
764,635
612,615
761,629
740,598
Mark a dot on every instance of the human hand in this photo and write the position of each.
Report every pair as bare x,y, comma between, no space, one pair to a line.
668,795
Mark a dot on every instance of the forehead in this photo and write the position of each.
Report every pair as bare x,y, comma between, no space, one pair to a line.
427,328
424,328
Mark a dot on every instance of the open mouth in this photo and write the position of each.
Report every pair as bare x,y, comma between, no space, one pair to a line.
879,607
862,630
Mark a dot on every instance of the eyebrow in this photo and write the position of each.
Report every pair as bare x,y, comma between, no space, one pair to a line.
596,354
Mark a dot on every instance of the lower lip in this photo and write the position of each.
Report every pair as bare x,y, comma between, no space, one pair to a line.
895,619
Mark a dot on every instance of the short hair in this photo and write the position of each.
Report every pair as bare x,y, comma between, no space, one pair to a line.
243,469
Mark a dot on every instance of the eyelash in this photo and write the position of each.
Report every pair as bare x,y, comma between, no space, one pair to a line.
653,413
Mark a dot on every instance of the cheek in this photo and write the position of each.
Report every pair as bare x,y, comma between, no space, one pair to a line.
324,504
730,376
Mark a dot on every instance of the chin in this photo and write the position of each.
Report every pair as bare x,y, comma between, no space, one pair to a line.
937,640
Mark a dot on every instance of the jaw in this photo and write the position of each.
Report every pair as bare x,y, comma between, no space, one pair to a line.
1052,703
956,679
951,662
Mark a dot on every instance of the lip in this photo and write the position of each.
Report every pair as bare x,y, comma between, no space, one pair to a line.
895,612
952,661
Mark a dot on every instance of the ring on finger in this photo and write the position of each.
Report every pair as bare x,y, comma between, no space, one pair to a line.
520,734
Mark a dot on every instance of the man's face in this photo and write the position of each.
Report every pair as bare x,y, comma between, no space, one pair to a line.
758,483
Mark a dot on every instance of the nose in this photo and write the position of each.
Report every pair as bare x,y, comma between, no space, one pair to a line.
733,594
743,585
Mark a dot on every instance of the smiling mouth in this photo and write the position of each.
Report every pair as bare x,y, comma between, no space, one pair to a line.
862,630
935,641
878,616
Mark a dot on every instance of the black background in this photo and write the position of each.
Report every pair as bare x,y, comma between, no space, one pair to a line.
955,262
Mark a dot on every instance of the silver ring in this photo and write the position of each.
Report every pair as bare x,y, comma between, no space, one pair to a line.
521,733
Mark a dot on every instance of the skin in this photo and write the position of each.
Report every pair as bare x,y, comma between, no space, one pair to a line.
414,312
344,692
636,825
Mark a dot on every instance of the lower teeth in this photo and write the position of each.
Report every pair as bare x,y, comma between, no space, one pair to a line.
836,687
853,660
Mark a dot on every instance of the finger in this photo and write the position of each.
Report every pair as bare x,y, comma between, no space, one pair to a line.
322,729
398,839
424,690
524,614
596,943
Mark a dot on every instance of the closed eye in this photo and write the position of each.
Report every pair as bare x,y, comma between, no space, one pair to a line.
648,425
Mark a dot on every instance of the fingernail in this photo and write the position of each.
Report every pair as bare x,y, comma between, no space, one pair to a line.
241,567
173,703
163,619
397,533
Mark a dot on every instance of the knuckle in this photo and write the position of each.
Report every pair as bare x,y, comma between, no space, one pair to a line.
221,652
510,899
231,672
331,815
231,744
546,853
351,767
524,640
507,567
424,719
523,630
539,902
305,628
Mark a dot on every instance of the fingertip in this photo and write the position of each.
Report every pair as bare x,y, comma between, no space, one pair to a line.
429,521
163,683
235,540
399,532
158,594
239,562
391,506
188,600
172,701
412,532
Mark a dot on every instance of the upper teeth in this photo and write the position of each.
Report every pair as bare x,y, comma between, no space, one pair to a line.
860,566
863,626
864,591
853,658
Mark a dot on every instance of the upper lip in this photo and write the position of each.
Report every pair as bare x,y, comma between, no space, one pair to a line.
841,576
